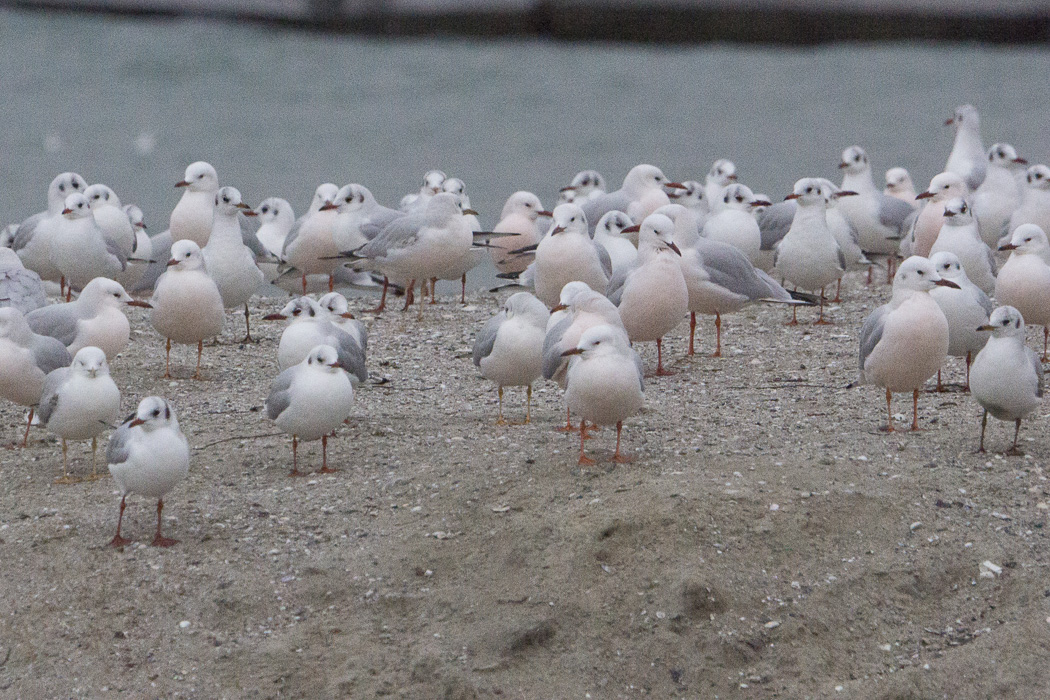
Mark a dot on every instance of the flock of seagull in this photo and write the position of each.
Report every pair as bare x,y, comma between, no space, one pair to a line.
606,270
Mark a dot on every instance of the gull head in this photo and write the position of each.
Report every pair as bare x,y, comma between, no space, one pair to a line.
569,293
525,306
585,182
957,212
455,186
64,185
691,195
613,223
740,197
199,177
1004,155
644,177
810,191
349,198
600,340
722,172
324,197
1038,177
186,255
944,186
228,202
1005,322
948,266
275,209
657,233
100,195
965,117
103,291
1027,238
324,358
432,181
898,179
302,308
567,218
524,203
854,160
135,216
336,304
90,361
76,206
152,413
917,274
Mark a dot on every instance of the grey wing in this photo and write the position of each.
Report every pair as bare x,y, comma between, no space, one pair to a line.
595,209
24,232
399,233
114,250
161,244
379,220
50,354
841,257
1037,365
49,396
992,264
730,268
486,337
984,301
976,176
775,222
293,233
552,358
604,259
117,451
639,367
614,290
58,321
249,226
894,212
362,333
280,393
351,356
23,290
871,332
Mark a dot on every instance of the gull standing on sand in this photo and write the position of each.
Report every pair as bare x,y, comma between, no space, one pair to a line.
1035,204
967,159
25,360
1007,377
34,235
1000,194
926,223
187,305
518,217
964,308
652,297
719,277
642,193
312,326
148,455
959,235
230,264
605,383
78,402
509,348
808,256
1024,279
899,184
191,219
19,287
310,400
566,254
80,250
95,318
309,246
734,223
904,342
844,232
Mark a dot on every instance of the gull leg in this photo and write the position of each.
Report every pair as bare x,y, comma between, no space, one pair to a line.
167,361
331,283
968,360
692,330
889,411
62,286
25,438
160,540
94,459
940,387
794,316
66,478
568,427
915,410
528,404
1014,450
324,457
1046,333
410,295
838,291
117,540
660,371
869,275
247,326
499,414
463,290
984,424
433,290
422,295
295,457
200,349
718,335
304,284
617,457
584,459
820,317
382,300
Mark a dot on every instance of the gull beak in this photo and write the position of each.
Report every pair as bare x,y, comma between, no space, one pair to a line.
544,212
946,283
171,262
632,229
986,327
346,315
760,203
182,183
556,230
847,193
67,211
924,195
949,214
731,178
242,205
568,188
335,365
676,185
675,248
249,212
673,195
469,212
950,121
139,304
328,206
559,307
791,196
843,165
1022,161
274,317
141,226
1007,246
137,421
574,351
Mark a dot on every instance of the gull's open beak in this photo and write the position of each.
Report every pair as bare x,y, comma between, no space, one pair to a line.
946,283
574,351
182,183
924,195
137,421
1007,246
274,317
140,304
675,248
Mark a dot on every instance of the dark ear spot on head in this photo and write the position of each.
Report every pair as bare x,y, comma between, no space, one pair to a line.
167,412
1017,323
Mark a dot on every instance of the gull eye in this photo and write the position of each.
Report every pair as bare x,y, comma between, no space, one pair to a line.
201,176
76,185
156,412
265,209
1006,322
920,272
61,188
116,294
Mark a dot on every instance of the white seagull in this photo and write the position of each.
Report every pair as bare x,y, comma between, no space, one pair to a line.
191,218
313,325
964,308
230,263
567,254
25,360
967,158
33,236
1024,279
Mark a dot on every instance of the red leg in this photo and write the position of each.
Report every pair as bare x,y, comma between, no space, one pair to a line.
660,371
331,283
295,458
382,300
794,316
410,295
463,290
692,330
200,349
568,427
433,290
324,457
915,410
617,457
968,360
25,438
117,540
1046,333
889,412
984,423
718,335
160,540
838,291
820,317
167,361
584,459
940,387
869,275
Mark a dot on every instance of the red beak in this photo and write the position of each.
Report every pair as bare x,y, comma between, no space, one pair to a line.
328,206
172,262
557,230
675,248
1007,246
137,421
950,122
559,307
632,229
791,196
274,317
140,304
67,211
544,212
574,351
924,195
1022,161
946,283
182,183
843,165
676,185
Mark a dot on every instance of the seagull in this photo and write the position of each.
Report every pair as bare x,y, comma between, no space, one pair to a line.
900,185
25,360
339,313
959,234
79,248
78,402
416,203
1000,194
110,217
965,308
808,256
361,217
33,237
926,223
844,232
187,305
191,219
1007,377
276,218
148,455
566,254
469,256
967,158
734,223
310,400
138,265
309,246
1035,204
652,296
605,383
692,196
230,264
904,342
721,175
609,234
19,287
642,193
585,186
95,318
313,326
1024,279
519,217
509,347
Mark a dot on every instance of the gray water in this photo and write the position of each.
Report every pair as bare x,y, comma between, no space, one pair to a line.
131,102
